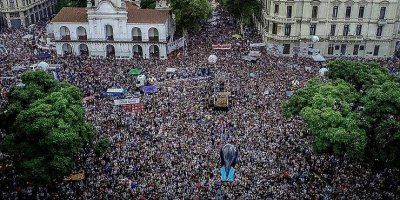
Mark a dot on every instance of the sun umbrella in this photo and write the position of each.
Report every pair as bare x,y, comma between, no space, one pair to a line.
135,72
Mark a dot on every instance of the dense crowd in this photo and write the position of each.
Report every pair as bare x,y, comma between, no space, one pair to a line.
170,150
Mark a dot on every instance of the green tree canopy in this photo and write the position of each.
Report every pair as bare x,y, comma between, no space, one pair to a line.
70,3
188,13
242,9
326,109
47,129
358,110
381,118
148,4
361,75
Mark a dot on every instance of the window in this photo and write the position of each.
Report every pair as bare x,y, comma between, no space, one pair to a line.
276,11
376,50
355,50
337,47
274,28
343,49
348,11
314,14
289,12
333,29
313,28
288,29
346,30
358,29
12,5
379,31
330,49
335,11
382,13
362,48
361,12
286,48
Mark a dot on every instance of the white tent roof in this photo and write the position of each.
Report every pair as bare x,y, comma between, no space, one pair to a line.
322,71
28,37
43,65
170,70
318,58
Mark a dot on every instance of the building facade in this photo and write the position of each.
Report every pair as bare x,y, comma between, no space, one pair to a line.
22,13
112,28
353,28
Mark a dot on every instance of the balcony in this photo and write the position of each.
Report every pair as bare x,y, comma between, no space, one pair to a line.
137,38
282,38
65,37
346,38
154,39
82,37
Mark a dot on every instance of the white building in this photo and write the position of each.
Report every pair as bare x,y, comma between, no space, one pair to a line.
112,28
365,28
17,13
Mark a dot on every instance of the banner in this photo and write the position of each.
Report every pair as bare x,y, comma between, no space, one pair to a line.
257,45
222,46
75,177
177,44
119,102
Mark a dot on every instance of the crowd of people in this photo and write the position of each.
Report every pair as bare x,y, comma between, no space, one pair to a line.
170,150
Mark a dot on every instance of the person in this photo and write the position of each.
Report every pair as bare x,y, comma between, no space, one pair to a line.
170,149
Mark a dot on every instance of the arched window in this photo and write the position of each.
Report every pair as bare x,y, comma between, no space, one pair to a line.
65,34
136,34
81,33
153,35
154,51
109,32
83,50
110,51
137,51
67,49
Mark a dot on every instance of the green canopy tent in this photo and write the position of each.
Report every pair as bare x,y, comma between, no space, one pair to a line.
135,72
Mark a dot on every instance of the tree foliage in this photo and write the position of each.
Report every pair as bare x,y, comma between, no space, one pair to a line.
360,74
70,3
242,9
148,4
188,13
46,127
326,108
357,112
102,145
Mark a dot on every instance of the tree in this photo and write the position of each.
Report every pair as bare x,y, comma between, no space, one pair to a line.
361,75
366,111
70,3
326,109
381,118
102,145
148,4
188,13
242,10
48,128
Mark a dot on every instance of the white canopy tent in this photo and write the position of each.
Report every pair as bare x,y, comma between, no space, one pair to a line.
322,71
43,65
27,37
170,70
318,58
